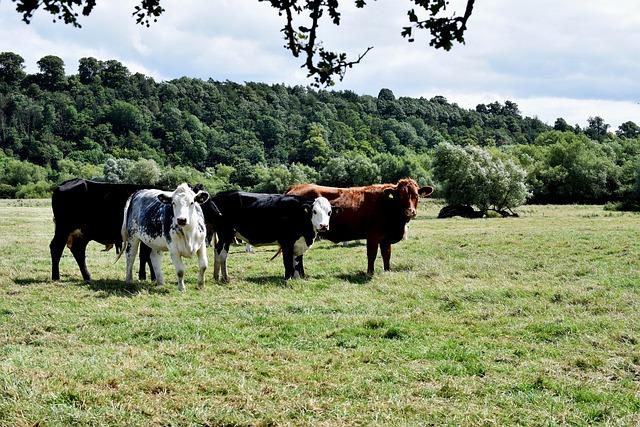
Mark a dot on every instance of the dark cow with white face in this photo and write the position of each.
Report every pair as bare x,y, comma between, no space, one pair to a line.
292,222
166,221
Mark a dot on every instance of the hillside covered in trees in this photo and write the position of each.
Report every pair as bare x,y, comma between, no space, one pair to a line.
106,123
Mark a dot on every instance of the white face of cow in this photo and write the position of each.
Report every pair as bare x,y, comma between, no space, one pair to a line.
183,201
321,212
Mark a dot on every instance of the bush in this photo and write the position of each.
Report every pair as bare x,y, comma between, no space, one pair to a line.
35,190
7,191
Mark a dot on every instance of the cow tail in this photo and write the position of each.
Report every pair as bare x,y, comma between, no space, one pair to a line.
277,253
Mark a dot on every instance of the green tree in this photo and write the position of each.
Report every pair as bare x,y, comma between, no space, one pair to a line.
89,70
628,130
113,74
125,117
573,169
314,150
11,69
35,190
273,180
562,125
597,128
349,171
52,76
173,176
362,170
394,168
15,172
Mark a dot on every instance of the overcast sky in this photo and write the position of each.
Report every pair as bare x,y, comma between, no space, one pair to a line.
573,59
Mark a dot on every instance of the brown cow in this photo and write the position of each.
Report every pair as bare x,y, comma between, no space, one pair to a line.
378,213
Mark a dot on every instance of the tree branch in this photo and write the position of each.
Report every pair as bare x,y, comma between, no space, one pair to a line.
444,30
323,65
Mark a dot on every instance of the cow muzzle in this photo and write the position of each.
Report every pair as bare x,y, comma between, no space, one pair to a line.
323,227
411,213
181,221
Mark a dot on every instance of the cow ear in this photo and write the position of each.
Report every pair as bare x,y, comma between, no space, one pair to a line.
425,191
337,210
164,198
389,192
306,207
201,197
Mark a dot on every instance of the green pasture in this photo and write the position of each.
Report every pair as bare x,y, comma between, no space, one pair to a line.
529,321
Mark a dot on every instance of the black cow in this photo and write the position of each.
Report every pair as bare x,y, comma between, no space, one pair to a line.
291,222
84,211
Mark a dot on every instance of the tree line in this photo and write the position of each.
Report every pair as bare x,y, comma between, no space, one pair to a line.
107,123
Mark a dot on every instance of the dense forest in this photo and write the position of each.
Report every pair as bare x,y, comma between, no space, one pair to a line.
109,124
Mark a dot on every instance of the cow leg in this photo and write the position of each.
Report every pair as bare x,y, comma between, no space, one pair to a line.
156,265
180,269
56,247
79,251
288,261
145,259
385,250
372,253
130,252
220,261
202,264
299,266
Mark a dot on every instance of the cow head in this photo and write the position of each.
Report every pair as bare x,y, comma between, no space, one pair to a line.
320,214
183,200
407,194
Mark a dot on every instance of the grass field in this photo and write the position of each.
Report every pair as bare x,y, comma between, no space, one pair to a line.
530,321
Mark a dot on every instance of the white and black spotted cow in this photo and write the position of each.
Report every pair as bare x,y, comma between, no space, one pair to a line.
292,222
166,221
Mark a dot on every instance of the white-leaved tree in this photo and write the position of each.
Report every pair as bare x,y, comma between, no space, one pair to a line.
470,177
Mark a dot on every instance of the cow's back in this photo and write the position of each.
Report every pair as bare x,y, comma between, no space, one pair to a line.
262,218
148,218
95,208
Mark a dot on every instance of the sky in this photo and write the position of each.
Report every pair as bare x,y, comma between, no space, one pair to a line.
573,59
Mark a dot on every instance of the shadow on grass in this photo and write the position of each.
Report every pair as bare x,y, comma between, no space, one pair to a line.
270,281
402,267
104,287
359,278
27,282
121,288
350,244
